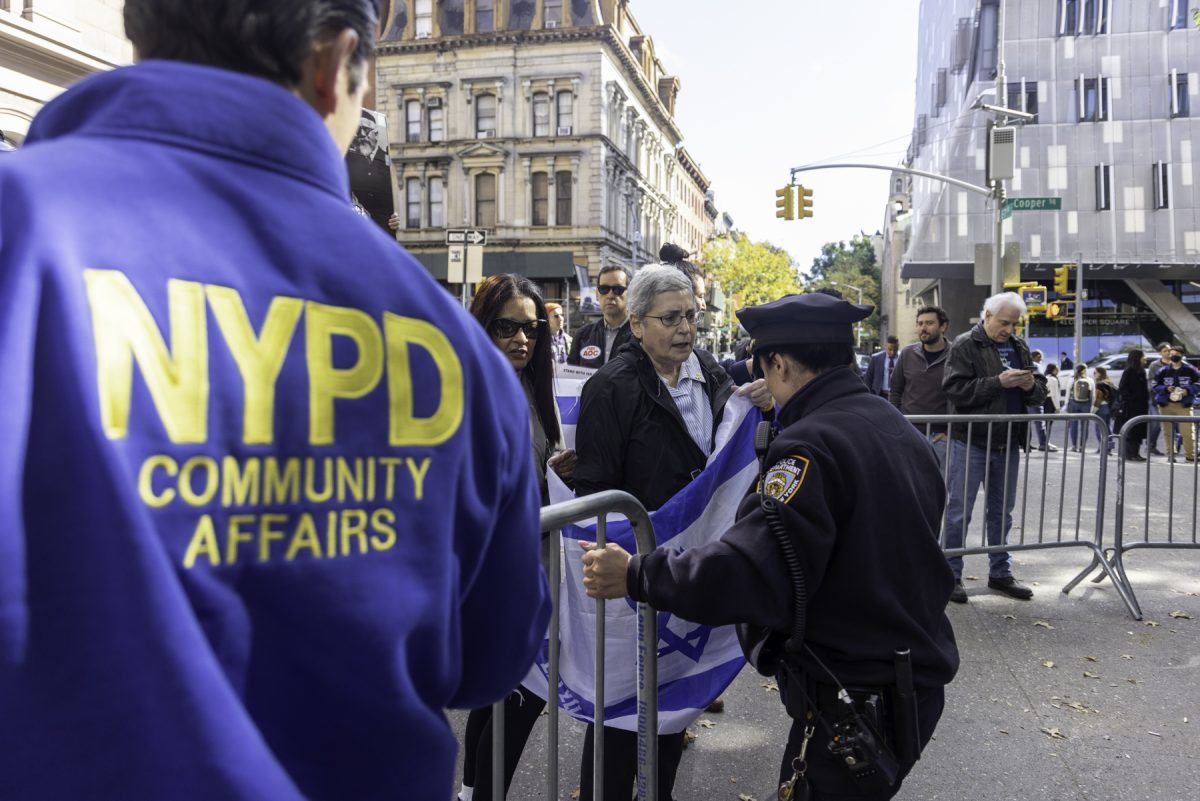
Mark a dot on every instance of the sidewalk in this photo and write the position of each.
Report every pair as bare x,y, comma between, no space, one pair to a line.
1116,717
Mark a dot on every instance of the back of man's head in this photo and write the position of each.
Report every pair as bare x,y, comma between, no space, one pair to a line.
270,39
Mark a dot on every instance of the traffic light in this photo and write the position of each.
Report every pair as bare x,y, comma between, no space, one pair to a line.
1054,311
805,206
1062,279
785,203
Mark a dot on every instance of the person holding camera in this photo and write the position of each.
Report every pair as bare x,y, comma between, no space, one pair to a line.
862,651
1175,393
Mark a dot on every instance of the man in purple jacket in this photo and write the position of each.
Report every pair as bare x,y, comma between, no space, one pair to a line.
254,459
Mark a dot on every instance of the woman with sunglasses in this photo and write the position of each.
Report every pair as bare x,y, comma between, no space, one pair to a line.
646,426
511,310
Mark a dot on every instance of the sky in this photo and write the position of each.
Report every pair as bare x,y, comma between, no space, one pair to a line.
767,85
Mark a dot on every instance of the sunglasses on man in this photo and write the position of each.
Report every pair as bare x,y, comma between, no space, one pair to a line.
504,328
616,289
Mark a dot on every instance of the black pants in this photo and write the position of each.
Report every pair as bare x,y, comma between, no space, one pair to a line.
521,711
829,779
620,764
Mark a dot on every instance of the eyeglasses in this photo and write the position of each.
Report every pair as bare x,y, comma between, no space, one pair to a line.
504,328
616,289
673,319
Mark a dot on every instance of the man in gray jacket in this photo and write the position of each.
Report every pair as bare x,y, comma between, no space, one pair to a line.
989,372
917,381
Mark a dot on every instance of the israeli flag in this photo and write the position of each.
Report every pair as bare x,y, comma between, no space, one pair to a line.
695,663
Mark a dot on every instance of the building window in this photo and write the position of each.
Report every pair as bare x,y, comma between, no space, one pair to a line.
541,114
1180,107
437,202
1068,17
1179,15
562,198
922,129
1023,96
962,43
1095,16
988,42
1162,184
1103,187
437,121
412,204
485,16
565,102
940,87
1092,96
424,18
552,11
485,200
541,199
485,116
412,121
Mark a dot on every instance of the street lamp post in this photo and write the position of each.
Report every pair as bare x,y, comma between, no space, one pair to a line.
860,297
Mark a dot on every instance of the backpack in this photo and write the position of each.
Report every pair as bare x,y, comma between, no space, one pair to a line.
1082,390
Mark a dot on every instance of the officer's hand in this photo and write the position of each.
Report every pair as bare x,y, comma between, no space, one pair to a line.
604,570
757,392
563,463
1013,379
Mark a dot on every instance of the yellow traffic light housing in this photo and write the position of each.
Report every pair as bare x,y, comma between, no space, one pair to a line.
1053,311
805,205
785,203
1062,279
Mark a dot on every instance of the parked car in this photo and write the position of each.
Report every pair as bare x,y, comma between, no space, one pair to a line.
1113,363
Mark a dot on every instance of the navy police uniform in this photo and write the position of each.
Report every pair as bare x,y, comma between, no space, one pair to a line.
858,492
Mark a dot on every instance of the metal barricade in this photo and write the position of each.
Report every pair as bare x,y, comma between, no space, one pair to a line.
1128,535
553,518
1059,479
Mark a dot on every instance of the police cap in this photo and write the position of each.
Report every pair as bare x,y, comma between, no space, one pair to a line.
802,320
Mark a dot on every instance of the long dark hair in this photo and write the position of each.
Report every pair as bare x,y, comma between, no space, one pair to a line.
1136,361
489,300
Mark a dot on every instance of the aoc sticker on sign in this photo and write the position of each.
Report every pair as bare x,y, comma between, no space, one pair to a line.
590,352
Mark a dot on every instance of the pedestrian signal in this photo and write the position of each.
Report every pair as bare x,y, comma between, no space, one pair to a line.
1054,311
785,203
805,206
1062,279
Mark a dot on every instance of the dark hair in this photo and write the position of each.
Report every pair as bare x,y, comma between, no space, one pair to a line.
677,257
831,292
943,318
493,293
893,339
270,40
1051,369
816,357
1136,360
613,267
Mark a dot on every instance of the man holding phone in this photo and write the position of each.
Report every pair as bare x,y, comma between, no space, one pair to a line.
989,371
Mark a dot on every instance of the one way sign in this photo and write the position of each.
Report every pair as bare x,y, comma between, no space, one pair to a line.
466,236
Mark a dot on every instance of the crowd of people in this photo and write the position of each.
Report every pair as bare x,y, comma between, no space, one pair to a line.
267,565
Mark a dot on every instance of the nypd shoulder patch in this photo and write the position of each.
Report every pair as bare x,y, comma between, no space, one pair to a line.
785,478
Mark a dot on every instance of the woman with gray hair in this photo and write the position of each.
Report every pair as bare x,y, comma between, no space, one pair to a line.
646,425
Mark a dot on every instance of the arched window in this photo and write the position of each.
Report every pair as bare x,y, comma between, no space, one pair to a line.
485,116
412,121
485,200
541,114
562,197
412,196
540,190
566,113
437,207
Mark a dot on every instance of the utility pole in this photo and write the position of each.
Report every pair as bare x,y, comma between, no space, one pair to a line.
1079,308
998,184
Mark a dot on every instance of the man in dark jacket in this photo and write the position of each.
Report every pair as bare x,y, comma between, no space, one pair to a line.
596,343
878,377
1175,391
917,381
989,372
849,513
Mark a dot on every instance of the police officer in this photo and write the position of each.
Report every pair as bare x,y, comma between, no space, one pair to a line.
833,568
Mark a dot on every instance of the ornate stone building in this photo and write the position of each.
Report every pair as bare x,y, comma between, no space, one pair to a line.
46,45
547,122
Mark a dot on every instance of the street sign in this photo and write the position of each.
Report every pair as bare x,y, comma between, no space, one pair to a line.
455,263
1034,297
466,236
1029,204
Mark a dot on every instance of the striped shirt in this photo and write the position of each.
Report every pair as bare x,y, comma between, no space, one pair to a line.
692,402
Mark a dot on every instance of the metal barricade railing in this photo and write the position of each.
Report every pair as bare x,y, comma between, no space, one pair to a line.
1060,480
1154,535
553,518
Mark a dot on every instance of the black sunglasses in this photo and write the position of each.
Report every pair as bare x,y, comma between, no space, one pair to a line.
505,328
616,289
